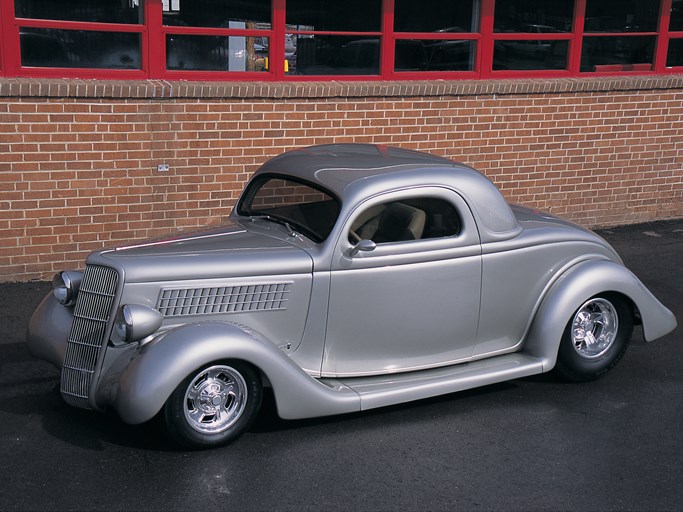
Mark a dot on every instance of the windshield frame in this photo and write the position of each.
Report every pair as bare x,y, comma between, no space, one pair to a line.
244,208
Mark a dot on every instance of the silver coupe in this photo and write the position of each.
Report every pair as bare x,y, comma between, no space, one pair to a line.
347,277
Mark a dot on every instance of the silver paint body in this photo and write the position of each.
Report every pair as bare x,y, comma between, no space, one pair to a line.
334,333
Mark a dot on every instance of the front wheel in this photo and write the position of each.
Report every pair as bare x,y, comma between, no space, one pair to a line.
595,338
213,406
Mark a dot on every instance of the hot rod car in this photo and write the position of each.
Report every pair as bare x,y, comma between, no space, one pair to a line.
347,277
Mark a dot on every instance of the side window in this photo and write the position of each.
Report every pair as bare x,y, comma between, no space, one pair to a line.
408,219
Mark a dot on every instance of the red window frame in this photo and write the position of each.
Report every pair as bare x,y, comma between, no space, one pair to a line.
153,47
666,36
582,36
159,33
279,59
12,52
389,51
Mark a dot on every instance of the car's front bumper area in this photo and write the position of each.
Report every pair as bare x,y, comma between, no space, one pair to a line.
48,331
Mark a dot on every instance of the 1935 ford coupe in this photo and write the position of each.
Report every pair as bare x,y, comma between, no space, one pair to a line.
348,277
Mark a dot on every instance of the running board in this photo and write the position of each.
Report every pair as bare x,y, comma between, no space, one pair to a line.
405,387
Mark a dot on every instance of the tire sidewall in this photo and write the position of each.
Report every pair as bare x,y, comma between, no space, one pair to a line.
178,427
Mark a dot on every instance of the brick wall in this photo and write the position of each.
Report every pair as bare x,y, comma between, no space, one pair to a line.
78,159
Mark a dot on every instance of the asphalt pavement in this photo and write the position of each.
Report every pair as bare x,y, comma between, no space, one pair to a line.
529,444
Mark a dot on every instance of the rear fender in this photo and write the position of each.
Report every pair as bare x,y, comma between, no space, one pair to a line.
159,366
578,284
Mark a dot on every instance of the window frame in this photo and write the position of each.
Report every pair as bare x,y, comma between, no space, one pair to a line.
161,33
394,36
153,34
12,54
666,35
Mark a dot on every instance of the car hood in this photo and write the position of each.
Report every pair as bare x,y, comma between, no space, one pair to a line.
227,250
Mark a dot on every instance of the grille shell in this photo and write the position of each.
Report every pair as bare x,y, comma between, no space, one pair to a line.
89,332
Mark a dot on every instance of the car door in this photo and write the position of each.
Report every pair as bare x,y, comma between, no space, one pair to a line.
413,301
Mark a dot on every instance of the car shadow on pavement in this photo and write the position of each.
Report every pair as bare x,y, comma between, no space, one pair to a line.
268,420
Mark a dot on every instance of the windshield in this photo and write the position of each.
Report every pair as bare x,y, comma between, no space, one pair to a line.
302,206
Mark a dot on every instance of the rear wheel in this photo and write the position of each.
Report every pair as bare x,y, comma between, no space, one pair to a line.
595,338
214,405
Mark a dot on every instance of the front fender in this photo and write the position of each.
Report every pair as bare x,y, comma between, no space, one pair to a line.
162,364
48,330
580,283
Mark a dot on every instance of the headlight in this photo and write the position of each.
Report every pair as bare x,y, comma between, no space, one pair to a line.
135,322
65,286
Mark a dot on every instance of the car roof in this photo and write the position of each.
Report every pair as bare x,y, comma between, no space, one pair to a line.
354,172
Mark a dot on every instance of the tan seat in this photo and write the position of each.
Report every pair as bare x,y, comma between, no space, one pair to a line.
393,222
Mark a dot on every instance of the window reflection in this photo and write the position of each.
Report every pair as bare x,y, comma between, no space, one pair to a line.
676,23
675,56
621,15
434,55
533,16
99,11
217,13
436,16
530,55
346,16
216,53
334,55
79,49
629,53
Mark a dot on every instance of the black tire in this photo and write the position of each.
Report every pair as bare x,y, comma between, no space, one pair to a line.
595,338
214,405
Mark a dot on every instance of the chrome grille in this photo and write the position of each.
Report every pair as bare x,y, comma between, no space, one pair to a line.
225,299
88,333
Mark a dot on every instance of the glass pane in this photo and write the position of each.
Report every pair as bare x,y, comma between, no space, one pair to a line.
676,23
216,53
409,219
335,15
436,16
527,55
335,55
621,15
305,208
79,49
675,56
533,16
606,53
218,13
104,11
431,55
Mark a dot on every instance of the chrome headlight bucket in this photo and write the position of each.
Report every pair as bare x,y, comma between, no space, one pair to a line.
135,322
65,286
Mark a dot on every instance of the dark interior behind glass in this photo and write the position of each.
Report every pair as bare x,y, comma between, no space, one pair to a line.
44,47
220,13
621,15
436,16
346,16
100,11
533,16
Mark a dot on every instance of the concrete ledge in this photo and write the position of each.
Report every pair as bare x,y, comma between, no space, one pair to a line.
161,89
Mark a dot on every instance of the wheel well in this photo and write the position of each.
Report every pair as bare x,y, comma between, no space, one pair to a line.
262,376
629,302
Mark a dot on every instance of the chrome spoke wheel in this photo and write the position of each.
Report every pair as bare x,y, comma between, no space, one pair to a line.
215,399
594,328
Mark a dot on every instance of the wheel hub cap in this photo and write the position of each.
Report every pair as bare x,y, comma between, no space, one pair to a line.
215,399
594,328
